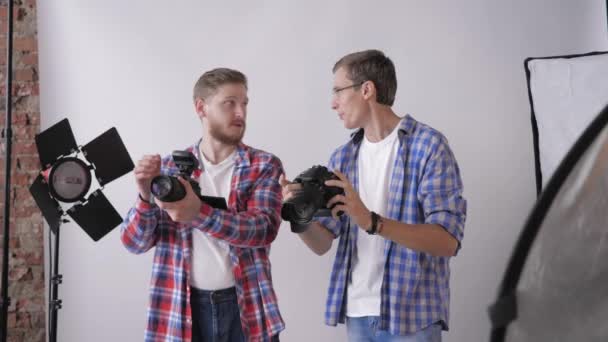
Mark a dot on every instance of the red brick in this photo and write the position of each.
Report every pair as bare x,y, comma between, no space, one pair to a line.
21,14
21,194
21,179
26,211
23,88
24,133
30,59
28,163
30,258
26,104
12,320
23,320
24,44
27,74
26,148
26,118
18,335
20,273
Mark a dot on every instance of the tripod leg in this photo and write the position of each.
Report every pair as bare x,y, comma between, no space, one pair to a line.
55,303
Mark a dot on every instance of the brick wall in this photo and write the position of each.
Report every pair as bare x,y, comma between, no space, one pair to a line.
26,320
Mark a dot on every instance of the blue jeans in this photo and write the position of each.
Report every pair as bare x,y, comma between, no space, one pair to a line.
215,316
365,329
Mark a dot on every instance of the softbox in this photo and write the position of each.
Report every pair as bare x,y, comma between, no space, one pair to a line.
565,93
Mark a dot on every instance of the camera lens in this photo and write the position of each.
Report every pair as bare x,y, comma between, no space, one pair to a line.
300,213
167,188
161,186
312,199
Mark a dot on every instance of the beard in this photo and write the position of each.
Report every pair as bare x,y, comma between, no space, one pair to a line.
222,135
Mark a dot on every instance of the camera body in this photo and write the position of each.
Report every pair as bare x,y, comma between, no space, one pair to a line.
312,199
168,188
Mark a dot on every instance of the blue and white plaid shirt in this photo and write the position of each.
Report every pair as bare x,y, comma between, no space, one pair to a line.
425,187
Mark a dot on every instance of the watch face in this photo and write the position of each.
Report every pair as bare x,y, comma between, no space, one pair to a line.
70,180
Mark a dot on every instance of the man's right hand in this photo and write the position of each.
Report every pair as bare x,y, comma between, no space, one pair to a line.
315,236
288,189
147,168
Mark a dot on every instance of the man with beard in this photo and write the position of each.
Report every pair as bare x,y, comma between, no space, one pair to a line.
211,276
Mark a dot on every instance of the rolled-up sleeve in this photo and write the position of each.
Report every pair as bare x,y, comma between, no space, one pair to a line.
440,192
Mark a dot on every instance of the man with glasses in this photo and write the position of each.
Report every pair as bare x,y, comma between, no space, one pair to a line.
403,208
211,276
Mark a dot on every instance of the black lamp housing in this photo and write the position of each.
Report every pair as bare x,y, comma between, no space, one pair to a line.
66,178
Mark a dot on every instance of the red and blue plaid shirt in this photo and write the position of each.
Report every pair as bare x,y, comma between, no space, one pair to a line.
249,225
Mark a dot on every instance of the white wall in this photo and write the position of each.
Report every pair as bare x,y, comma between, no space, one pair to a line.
132,64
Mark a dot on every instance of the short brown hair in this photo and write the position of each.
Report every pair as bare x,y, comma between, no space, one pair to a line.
375,66
208,83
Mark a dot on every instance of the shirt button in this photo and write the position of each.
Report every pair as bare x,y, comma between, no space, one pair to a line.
188,320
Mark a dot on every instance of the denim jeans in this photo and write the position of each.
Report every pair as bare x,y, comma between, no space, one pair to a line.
364,329
215,316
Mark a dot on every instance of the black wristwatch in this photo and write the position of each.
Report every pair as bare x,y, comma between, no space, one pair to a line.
376,224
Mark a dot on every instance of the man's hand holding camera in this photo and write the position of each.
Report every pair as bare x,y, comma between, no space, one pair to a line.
186,209
147,168
305,196
288,188
350,203
182,206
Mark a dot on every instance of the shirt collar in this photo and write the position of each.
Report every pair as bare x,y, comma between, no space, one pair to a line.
242,158
406,127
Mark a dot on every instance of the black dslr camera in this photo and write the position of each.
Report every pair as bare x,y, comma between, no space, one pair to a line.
312,199
168,188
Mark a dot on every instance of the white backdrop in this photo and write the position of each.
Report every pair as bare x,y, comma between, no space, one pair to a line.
132,65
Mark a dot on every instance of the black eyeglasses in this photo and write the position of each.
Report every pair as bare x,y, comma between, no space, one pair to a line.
337,90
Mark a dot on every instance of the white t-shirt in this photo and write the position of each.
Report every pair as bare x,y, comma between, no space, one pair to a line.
375,166
211,266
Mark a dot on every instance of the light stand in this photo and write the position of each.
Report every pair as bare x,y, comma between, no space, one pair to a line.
5,301
54,301
66,178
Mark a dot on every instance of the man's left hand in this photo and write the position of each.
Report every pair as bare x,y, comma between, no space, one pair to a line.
350,203
186,209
